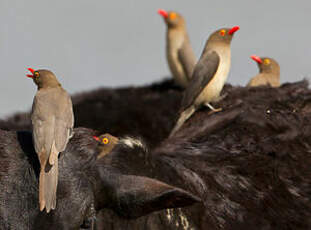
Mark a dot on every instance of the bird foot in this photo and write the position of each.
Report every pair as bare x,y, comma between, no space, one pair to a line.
212,108
214,111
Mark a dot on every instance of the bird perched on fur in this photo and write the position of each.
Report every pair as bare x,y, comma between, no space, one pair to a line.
52,124
209,75
269,72
179,53
106,144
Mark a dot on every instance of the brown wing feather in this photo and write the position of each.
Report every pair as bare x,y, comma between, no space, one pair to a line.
203,73
64,123
43,123
63,126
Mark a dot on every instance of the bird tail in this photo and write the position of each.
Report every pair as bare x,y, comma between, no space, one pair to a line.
184,116
48,186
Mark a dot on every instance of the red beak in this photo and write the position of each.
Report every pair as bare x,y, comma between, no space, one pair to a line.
32,71
163,13
234,29
256,58
96,138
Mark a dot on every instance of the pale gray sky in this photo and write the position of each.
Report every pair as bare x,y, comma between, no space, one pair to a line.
94,43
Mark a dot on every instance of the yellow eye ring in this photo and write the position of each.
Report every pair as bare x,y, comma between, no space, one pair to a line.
173,16
223,32
36,74
266,61
105,141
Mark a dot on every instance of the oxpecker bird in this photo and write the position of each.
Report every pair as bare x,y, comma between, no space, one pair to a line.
269,72
52,126
180,56
106,144
209,75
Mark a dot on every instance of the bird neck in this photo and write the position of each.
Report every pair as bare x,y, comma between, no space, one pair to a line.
221,48
270,70
177,29
217,43
175,38
48,83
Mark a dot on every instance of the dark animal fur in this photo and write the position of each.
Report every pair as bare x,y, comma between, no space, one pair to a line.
19,170
250,164
85,185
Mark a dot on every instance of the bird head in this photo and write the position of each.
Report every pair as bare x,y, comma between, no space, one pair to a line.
265,64
223,35
43,78
171,18
106,144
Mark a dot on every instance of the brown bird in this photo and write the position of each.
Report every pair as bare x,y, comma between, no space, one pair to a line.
209,75
269,72
106,143
52,124
180,56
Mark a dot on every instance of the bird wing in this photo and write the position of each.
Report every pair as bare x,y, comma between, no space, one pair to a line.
203,73
52,119
63,125
187,58
43,122
64,122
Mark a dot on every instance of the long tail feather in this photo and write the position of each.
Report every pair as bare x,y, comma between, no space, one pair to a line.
48,186
184,116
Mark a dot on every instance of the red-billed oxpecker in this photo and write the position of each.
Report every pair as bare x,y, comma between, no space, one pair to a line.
179,53
52,125
269,72
106,144
209,75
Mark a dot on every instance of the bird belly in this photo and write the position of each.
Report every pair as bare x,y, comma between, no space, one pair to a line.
213,89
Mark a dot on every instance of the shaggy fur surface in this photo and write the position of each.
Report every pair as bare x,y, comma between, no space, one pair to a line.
86,184
253,159
19,170
250,164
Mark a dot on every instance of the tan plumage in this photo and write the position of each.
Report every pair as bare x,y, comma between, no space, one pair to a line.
179,53
269,72
106,144
52,124
209,75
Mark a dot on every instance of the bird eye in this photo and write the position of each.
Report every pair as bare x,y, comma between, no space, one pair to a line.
36,74
223,32
266,61
173,16
105,141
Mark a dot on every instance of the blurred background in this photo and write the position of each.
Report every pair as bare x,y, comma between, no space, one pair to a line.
95,43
